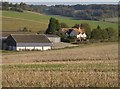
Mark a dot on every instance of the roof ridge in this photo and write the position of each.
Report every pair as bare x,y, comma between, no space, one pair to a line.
39,38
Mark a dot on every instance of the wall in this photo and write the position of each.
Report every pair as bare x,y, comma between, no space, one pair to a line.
38,48
33,48
55,39
20,48
46,47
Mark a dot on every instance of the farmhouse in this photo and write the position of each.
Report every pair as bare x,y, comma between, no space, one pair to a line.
53,38
28,42
77,32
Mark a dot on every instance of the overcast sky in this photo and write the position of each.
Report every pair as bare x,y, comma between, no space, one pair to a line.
61,0
64,2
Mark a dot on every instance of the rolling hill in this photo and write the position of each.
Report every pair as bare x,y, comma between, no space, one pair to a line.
38,22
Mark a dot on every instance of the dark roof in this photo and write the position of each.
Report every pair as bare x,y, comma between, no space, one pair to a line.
30,38
7,33
51,35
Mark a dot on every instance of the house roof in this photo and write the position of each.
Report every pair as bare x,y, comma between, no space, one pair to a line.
78,30
30,38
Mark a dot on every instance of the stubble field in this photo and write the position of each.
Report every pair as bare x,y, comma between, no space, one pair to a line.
93,65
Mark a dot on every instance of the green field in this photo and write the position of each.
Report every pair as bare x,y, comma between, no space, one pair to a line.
113,20
38,22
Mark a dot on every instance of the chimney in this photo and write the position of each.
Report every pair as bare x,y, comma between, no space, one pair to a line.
79,29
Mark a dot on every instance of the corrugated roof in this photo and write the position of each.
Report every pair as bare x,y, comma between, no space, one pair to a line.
51,35
30,38
7,33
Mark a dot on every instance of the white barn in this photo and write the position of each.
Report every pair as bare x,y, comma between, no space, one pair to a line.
53,38
20,42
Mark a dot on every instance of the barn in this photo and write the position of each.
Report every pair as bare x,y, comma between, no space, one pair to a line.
20,42
53,38
5,34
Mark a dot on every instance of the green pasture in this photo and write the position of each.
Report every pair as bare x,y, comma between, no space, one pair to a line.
38,22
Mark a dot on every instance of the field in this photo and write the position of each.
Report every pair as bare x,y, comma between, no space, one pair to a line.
90,65
113,20
38,22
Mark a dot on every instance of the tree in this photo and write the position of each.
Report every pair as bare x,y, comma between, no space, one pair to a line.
108,34
53,26
10,5
112,34
76,26
63,25
5,5
87,28
16,5
119,30
96,34
104,34
98,27
25,29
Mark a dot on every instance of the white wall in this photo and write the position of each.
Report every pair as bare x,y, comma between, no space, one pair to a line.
54,40
20,48
38,48
46,47
33,48
29,48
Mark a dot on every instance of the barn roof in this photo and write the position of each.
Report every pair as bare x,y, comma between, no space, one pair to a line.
7,33
51,35
30,38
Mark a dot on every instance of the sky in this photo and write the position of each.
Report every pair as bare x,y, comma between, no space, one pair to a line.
61,0
64,2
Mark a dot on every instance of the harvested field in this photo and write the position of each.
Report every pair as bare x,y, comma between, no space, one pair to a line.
63,45
93,65
92,52
36,78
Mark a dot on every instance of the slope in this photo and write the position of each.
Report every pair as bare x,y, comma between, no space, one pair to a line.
38,22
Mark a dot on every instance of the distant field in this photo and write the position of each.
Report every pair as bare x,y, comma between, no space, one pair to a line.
114,20
13,24
92,65
38,22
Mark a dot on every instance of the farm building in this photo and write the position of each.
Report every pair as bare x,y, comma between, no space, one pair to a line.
78,32
3,40
28,42
71,33
53,38
5,34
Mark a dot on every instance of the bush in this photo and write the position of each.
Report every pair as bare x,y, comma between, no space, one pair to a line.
16,9
108,34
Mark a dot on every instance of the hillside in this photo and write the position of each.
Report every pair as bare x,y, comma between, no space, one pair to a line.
38,22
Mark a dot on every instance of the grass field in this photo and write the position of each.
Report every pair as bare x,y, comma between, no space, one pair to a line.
114,20
38,22
92,65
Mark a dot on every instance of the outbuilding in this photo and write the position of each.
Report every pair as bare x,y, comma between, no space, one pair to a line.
53,38
28,42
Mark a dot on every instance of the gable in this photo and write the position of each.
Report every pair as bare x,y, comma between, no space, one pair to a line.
10,41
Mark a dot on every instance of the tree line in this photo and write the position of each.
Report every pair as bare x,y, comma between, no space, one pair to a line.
97,34
88,12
